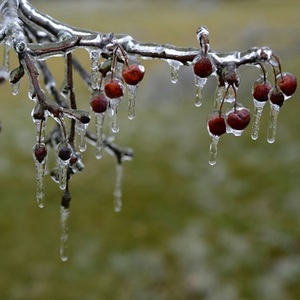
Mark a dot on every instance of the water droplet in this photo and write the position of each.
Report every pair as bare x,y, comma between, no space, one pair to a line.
132,91
118,188
274,112
213,149
99,130
174,68
64,216
200,83
258,109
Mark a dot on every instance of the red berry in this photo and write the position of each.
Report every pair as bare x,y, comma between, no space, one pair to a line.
261,89
276,96
40,152
114,88
133,74
239,118
216,125
203,67
99,102
287,82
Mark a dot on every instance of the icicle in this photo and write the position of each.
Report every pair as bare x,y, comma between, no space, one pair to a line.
114,103
213,149
199,82
40,159
118,188
81,130
258,109
64,216
174,68
94,57
274,112
15,88
64,152
99,129
132,90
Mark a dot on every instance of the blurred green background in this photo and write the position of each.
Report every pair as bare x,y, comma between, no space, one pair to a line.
187,230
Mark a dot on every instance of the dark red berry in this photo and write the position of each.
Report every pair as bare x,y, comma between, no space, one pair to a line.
287,82
216,125
114,88
133,74
239,118
40,152
276,96
260,90
99,103
203,67
64,152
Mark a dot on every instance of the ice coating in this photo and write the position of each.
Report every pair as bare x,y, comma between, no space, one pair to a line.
131,91
272,127
257,113
64,216
199,83
174,69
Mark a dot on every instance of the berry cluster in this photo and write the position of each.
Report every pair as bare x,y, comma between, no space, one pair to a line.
238,117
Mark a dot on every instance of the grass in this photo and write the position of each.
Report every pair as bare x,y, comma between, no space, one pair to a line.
187,230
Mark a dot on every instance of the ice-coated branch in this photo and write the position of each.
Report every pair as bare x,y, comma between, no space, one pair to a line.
115,66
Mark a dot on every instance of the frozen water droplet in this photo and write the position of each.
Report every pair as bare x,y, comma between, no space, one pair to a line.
213,149
114,104
274,112
174,68
99,129
64,216
118,188
258,109
132,91
200,83
81,130
94,57
15,88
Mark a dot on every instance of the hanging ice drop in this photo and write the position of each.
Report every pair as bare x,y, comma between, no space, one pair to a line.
274,112
118,188
174,68
64,216
213,149
99,129
200,83
258,109
132,91
15,88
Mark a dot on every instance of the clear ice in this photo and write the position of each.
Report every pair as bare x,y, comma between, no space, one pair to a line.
118,188
258,109
132,91
213,149
114,103
81,131
174,68
94,57
99,131
64,216
274,112
200,83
